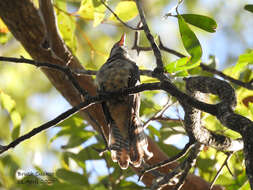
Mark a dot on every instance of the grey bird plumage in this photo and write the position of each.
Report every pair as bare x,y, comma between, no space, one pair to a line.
127,140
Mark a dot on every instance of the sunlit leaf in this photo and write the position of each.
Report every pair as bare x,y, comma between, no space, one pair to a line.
74,121
246,58
92,10
249,8
66,25
16,120
190,41
125,10
86,9
200,21
243,61
181,64
9,104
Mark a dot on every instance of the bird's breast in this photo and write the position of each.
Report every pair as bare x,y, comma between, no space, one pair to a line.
114,76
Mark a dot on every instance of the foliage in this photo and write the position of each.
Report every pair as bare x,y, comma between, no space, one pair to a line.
85,26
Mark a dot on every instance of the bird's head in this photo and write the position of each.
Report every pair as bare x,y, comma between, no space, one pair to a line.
119,48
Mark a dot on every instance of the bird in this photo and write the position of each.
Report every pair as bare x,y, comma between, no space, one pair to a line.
127,141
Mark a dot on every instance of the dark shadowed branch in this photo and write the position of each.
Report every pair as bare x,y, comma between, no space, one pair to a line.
157,53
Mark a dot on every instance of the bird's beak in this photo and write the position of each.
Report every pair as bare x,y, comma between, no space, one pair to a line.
122,40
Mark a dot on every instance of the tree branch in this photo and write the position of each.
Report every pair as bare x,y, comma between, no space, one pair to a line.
248,85
157,53
117,17
175,158
180,172
219,171
49,124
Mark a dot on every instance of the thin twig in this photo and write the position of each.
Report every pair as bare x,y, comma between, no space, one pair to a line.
157,114
79,72
155,173
248,85
157,53
161,118
183,152
181,170
168,50
117,17
219,171
188,164
165,85
51,123
64,69
137,41
173,90
68,72
84,72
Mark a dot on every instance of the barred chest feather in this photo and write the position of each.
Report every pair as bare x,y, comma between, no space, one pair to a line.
114,75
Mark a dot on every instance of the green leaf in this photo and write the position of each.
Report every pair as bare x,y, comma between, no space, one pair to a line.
201,21
10,105
86,10
88,154
249,8
74,121
73,142
190,41
7,102
181,64
74,127
72,177
92,10
154,131
246,58
66,25
243,61
16,118
77,138
125,10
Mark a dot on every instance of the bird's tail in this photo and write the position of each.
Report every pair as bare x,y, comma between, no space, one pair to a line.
138,147
130,150
119,148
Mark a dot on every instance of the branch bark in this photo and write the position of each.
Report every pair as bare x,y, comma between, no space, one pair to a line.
26,24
